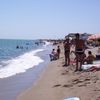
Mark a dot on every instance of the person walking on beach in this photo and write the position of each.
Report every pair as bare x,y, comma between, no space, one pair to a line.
79,51
67,52
58,51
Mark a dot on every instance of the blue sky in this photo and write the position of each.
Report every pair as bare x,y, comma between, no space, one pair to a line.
33,19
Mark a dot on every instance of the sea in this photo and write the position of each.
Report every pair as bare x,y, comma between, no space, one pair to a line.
21,62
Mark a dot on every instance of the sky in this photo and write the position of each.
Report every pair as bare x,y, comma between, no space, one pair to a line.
35,19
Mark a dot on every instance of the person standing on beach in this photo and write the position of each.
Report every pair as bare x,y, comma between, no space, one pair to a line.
58,51
67,52
79,51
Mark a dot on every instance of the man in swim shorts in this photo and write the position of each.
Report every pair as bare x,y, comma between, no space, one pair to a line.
79,51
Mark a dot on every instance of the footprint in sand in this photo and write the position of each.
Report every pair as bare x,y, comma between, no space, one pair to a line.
67,85
64,73
98,98
82,85
57,85
96,90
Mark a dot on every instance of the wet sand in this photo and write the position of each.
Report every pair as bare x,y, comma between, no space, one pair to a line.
58,82
10,87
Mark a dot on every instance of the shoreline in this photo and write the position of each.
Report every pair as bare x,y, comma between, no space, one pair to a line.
43,83
12,86
57,83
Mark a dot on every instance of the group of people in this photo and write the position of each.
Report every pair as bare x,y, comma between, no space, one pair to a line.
55,54
80,56
79,52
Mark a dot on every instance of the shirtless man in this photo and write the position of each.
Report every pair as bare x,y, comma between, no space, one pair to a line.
79,51
67,52
90,58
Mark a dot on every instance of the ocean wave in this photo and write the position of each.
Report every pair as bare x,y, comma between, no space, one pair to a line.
21,63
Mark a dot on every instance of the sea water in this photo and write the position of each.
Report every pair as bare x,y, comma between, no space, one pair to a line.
16,56
21,64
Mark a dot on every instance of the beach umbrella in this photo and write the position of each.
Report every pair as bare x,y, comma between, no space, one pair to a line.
70,38
84,36
94,37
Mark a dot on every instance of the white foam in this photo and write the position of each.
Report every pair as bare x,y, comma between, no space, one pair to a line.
47,43
21,64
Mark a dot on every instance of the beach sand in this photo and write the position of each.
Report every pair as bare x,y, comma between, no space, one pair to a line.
58,82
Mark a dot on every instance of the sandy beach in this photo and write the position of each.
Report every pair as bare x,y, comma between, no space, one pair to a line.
58,82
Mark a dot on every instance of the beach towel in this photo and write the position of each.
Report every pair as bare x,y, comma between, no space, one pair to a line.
72,98
72,62
91,67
